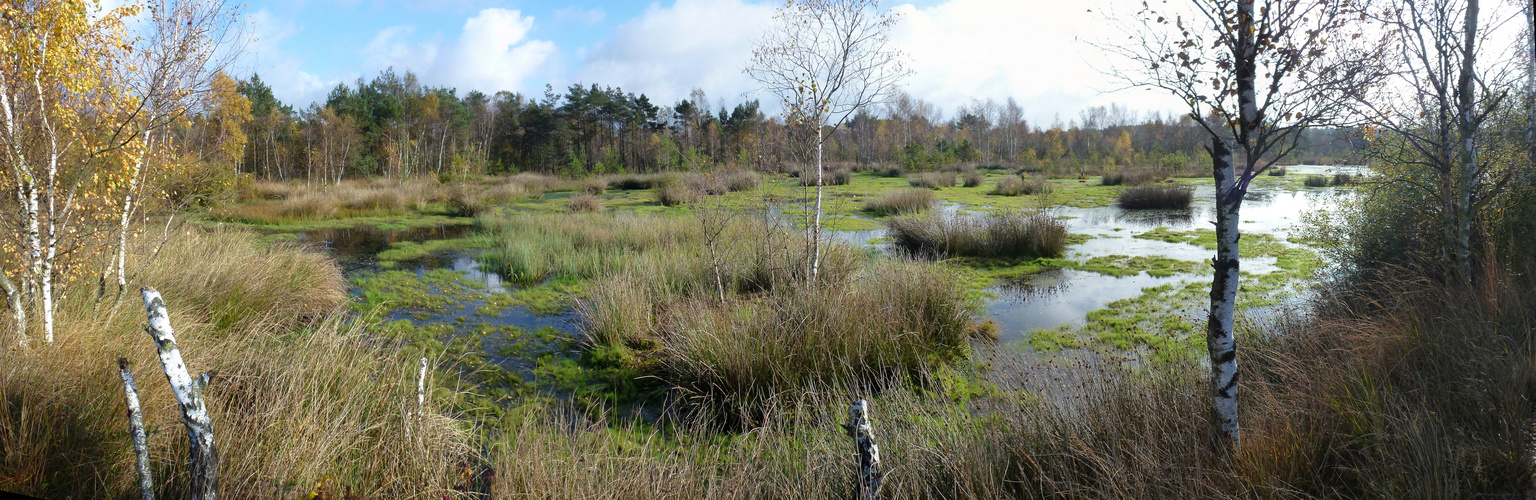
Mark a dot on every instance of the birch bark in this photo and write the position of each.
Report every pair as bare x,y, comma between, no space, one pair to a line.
203,456
869,453
136,429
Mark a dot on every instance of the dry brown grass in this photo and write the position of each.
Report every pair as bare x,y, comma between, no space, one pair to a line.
301,396
585,202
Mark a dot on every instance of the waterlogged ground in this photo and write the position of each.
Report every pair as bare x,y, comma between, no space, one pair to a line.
1132,282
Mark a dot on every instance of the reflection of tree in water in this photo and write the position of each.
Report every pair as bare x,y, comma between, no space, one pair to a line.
1020,289
356,247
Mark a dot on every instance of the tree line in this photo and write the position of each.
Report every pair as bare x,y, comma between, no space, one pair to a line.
393,126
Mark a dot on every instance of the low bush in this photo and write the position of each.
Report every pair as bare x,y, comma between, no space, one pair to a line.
1158,196
1317,181
900,201
1004,235
1277,172
585,202
973,179
932,180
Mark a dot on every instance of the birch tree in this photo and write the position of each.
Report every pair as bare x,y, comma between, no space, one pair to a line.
181,56
1254,74
1448,89
58,101
825,60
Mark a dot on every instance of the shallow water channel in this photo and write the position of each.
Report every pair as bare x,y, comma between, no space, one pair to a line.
1060,298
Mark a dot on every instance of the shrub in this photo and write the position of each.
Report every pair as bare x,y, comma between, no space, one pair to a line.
891,172
1342,179
973,179
1277,172
1159,196
1008,234
1317,181
585,202
932,180
900,201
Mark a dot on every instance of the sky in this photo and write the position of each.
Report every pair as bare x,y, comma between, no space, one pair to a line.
1034,51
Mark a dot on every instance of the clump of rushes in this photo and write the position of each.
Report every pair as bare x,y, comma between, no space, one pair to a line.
1316,181
674,194
732,359
1342,179
741,180
831,176
1127,177
585,202
1160,196
1277,172
900,201
973,179
932,180
1004,235
1017,186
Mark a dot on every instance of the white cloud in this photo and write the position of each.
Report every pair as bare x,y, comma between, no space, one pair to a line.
279,69
668,51
1030,50
492,53
576,14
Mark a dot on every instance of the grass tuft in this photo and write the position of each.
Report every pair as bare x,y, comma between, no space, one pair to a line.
1003,235
1157,196
900,201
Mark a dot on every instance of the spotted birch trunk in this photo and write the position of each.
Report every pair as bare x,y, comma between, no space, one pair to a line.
203,456
1219,340
816,224
136,429
869,453
1466,154
18,313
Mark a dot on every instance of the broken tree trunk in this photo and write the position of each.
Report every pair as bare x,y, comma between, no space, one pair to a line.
136,429
203,456
869,454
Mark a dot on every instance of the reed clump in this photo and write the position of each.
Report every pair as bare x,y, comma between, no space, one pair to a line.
1317,181
831,176
1017,186
1004,235
1277,172
1128,178
932,180
1156,196
900,201
973,178
585,202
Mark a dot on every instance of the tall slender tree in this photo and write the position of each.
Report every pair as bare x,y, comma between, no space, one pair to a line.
1255,74
825,60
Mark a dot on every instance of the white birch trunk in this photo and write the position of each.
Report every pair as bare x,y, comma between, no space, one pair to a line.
1220,342
18,312
203,455
1467,146
136,429
863,434
127,211
816,224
